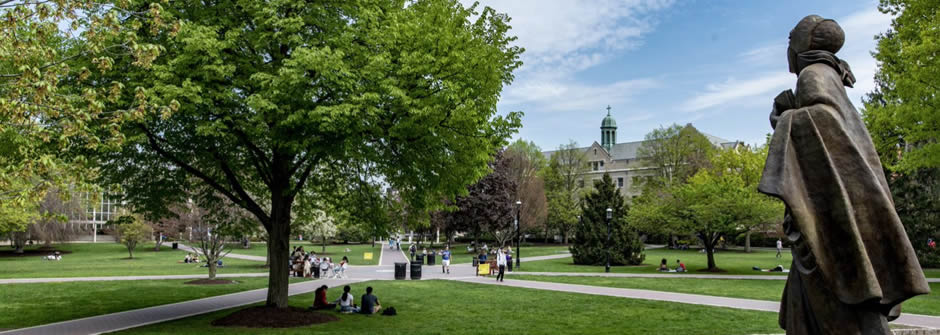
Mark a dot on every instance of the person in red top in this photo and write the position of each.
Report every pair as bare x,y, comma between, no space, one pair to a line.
319,301
681,267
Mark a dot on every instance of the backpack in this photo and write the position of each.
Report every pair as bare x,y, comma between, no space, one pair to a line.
389,311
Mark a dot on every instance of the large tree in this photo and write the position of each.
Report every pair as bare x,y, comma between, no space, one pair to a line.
563,187
716,202
901,115
46,119
489,205
677,152
591,244
902,111
526,162
264,97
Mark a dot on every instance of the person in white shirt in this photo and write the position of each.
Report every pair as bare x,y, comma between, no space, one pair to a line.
325,267
501,263
316,267
345,302
779,248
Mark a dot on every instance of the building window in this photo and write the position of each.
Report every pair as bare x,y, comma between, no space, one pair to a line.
602,163
619,181
594,165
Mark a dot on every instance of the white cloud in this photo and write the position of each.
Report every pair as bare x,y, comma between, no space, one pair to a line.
761,87
563,38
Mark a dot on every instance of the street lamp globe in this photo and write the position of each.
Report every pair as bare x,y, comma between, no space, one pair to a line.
610,213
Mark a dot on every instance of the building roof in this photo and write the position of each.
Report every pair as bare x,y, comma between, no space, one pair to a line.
628,150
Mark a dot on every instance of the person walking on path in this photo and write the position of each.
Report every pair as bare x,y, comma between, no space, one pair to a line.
779,248
501,263
413,249
445,260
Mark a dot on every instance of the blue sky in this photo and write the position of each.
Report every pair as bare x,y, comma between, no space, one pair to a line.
715,63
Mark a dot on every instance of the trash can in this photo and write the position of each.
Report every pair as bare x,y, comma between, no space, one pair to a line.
476,262
176,245
400,270
509,264
431,259
415,271
420,259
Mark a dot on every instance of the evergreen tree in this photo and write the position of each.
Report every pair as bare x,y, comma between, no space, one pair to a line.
590,245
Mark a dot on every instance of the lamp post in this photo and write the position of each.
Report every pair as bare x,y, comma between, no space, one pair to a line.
610,213
518,237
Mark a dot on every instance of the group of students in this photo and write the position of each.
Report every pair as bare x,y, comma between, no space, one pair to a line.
193,258
368,303
680,267
308,265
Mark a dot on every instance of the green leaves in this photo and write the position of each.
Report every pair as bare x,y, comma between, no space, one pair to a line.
901,112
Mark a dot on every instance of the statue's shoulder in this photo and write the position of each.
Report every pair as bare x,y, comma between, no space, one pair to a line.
814,81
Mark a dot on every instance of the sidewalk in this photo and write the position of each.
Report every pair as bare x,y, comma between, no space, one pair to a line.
915,320
145,316
663,275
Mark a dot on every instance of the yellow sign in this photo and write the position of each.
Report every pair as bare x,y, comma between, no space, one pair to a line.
367,256
483,269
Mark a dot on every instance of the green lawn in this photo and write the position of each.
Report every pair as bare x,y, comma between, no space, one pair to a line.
732,262
110,259
336,251
27,305
749,289
448,307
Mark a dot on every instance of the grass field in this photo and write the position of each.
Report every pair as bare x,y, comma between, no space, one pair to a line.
749,289
448,307
731,262
27,305
336,251
110,259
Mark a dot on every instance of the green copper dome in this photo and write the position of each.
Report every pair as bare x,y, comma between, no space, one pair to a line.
608,120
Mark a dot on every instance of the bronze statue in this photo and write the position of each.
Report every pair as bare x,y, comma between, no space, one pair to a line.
853,264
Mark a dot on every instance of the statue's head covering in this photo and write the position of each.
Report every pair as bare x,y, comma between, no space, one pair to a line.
816,40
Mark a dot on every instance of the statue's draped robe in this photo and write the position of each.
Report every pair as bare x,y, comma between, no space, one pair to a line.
853,263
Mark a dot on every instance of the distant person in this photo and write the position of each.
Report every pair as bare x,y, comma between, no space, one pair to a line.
308,264
482,257
680,267
413,249
501,263
345,301
779,248
319,299
315,266
188,259
445,260
663,267
325,266
369,304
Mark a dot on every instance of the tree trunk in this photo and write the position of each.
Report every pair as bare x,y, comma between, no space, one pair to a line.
278,251
212,268
565,237
130,251
19,242
710,250
747,241
323,246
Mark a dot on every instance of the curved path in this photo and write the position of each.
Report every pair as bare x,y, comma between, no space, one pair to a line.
385,271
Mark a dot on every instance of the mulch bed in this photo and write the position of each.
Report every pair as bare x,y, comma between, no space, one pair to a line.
31,252
271,317
210,282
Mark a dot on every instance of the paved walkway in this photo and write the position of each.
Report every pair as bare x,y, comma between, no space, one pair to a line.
664,275
915,320
145,316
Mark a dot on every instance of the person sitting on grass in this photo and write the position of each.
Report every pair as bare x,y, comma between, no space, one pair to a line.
319,299
680,267
345,302
663,267
188,258
369,303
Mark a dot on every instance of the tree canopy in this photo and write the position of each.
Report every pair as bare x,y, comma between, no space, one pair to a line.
901,112
564,186
677,152
264,98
